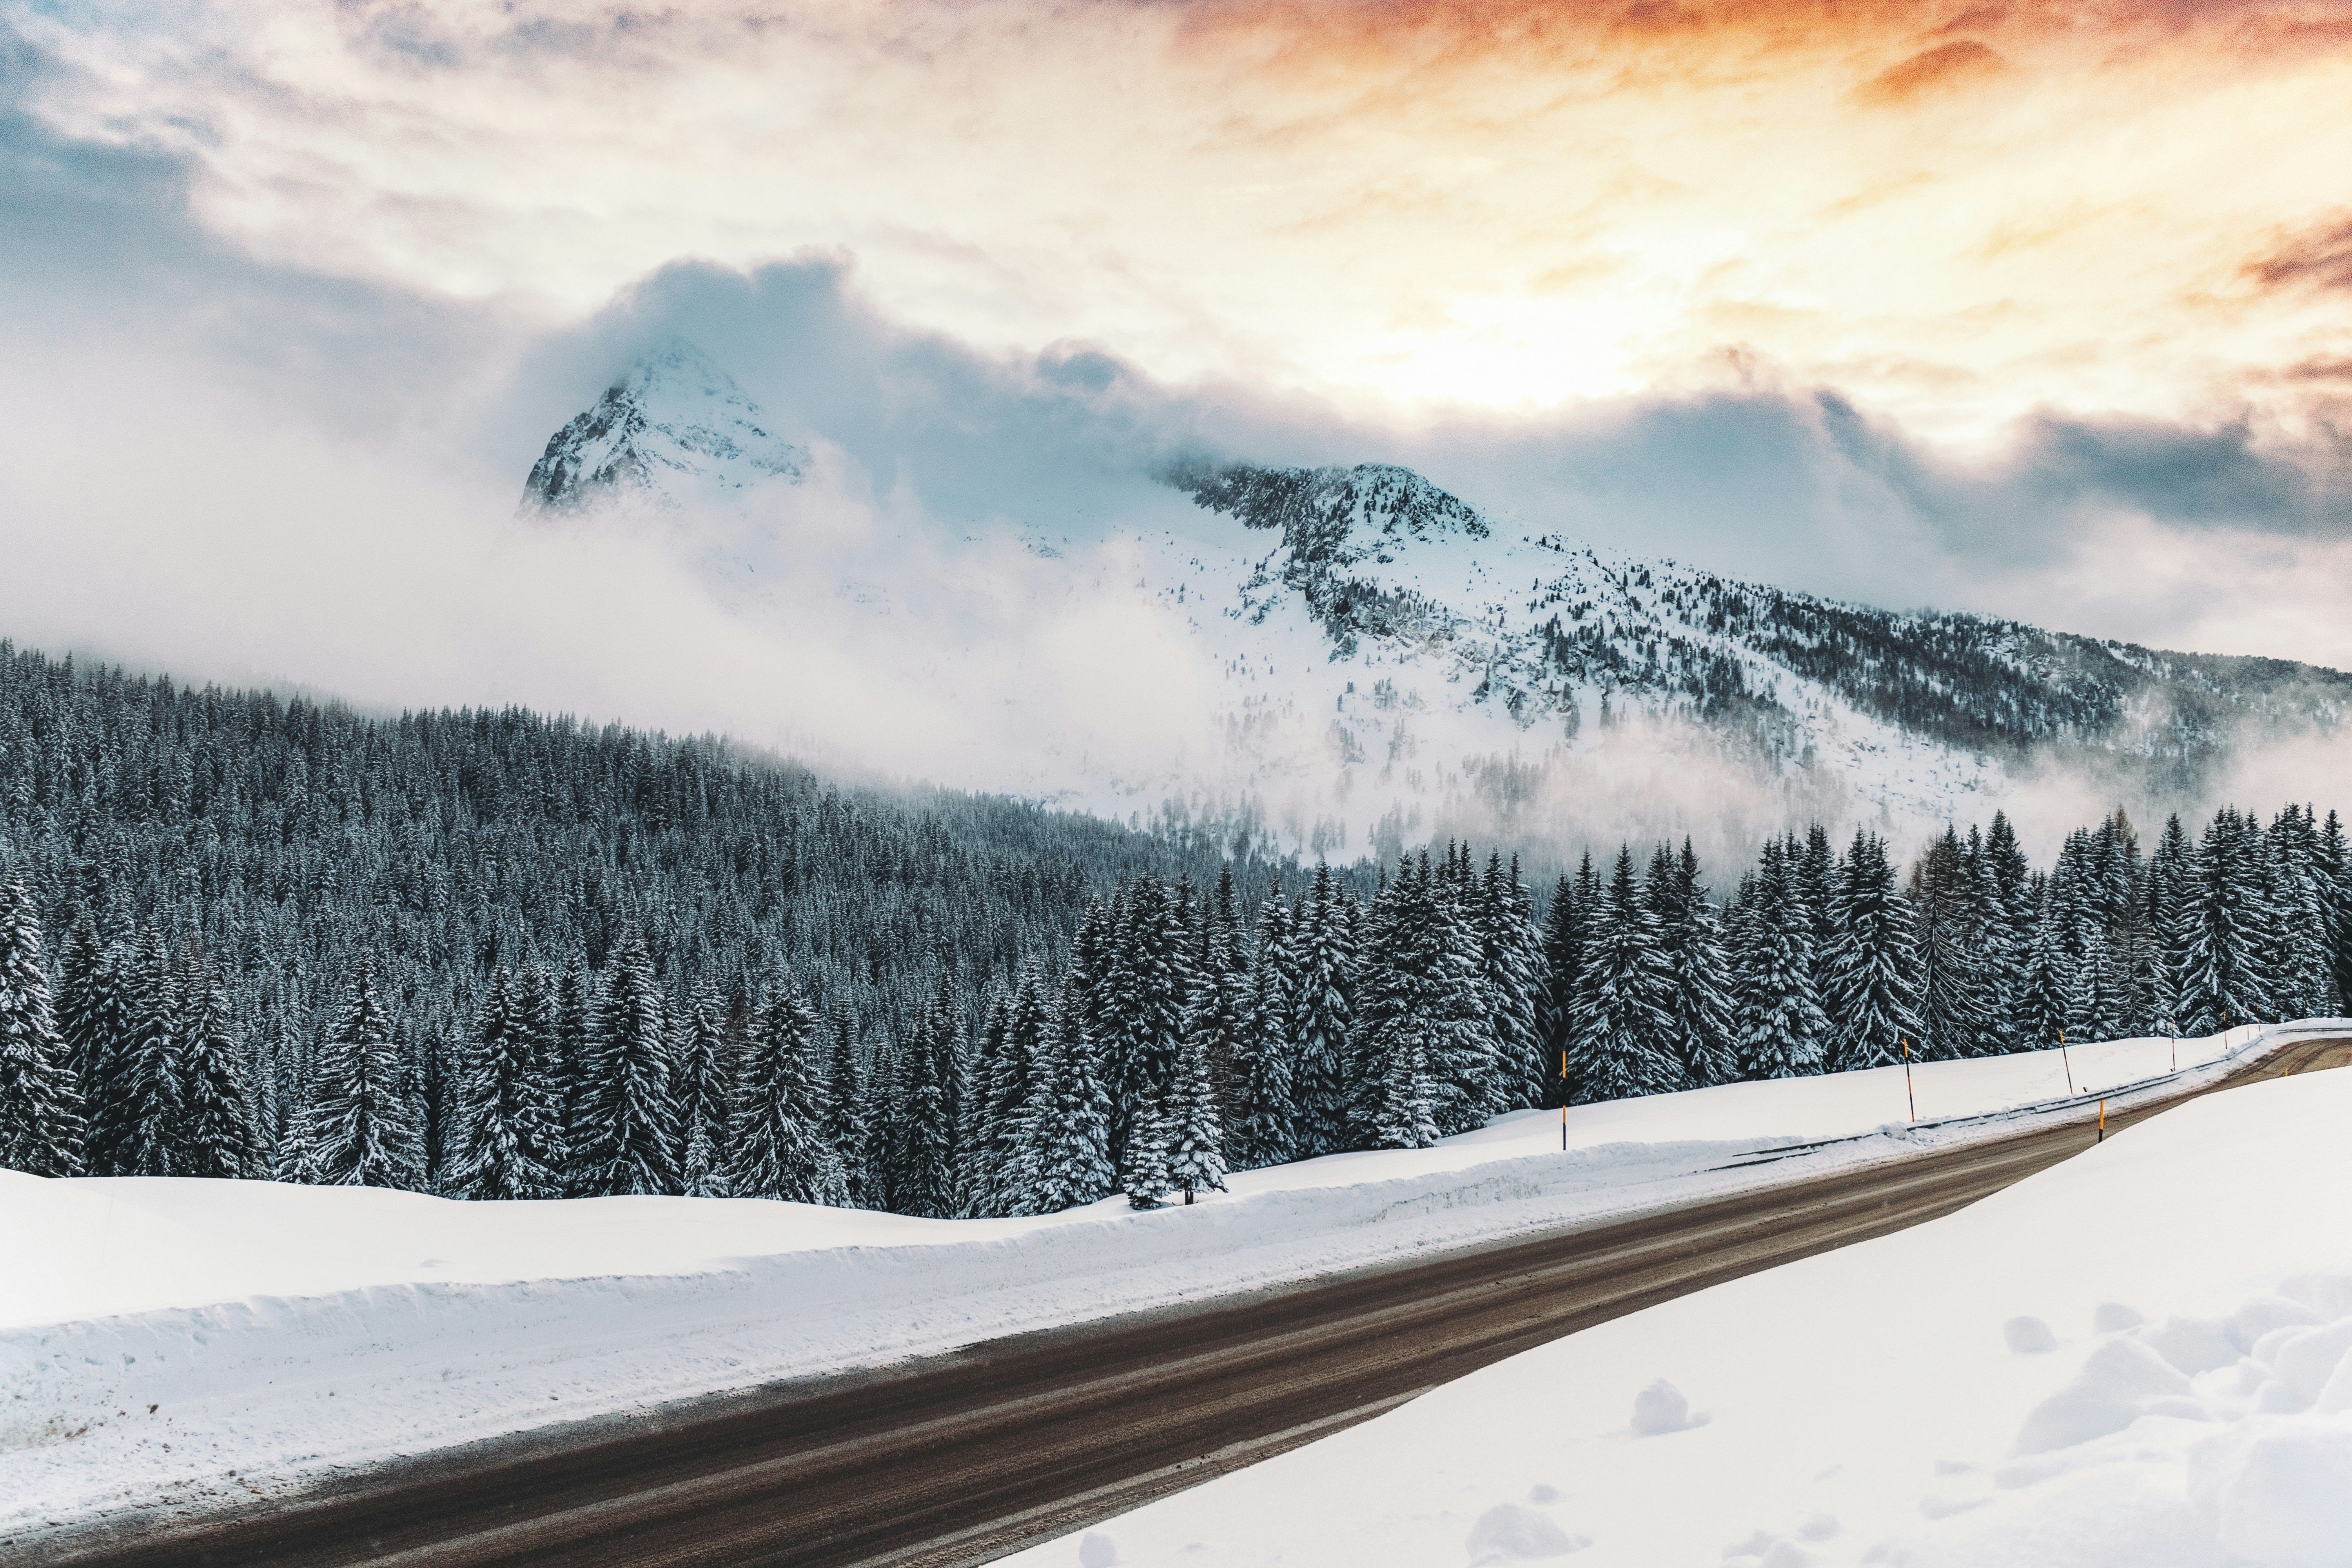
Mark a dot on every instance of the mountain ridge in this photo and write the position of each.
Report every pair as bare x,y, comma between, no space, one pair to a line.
1373,644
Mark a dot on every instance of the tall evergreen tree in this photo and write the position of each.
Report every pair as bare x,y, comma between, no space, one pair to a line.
2332,862
702,1086
1263,1125
1196,1135
217,1135
845,1131
1323,1015
40,1105
1010,1088
1781,1026
1619,1043
1511,962
96,1033
360,1127
921,1137
2170,896
574,1056
1700,965
2223,982
1873,981
1564,953
506,1144
1067,1158
777,1147
629,1146
150,1070
1954,1011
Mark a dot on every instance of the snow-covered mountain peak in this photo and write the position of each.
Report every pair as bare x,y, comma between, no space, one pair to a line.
674,427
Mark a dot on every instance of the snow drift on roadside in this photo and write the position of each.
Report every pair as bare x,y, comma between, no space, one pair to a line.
2141,1358
159,1334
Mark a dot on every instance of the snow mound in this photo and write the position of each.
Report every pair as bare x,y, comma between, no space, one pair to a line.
166,1333
1871,1407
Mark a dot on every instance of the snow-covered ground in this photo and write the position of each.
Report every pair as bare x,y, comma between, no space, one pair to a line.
2141,1358
156,1335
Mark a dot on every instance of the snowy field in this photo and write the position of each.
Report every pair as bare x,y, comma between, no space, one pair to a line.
2141,1358
158,1334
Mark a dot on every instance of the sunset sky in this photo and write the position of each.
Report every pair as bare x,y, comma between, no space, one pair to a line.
2044,311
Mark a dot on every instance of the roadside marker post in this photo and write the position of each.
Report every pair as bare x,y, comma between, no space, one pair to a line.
1907,1094
2102,1120
1563,1101
2068,1061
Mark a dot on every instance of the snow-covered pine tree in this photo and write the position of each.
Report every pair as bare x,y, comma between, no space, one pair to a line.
1954,1011
361,1130
506,1134
2005,863
1140,1004
1223,995
1322,1014
1872,984
1394,1088
40,1105
1700,1025
845,1127
1196,1134
701,1088
1619,1043
629,1146
952,1064
2171,876
2332,861
218,1134
1563,963
776,1144
1511,962
2000,936
2225,983
2047,1000
1264,1109
534,1015
1090,959
1815,868
574,1054
2303,984
1779,1018
1066,1159
921,1134
96,1029
150,1068
1144,1165
1006,1090
1466,1063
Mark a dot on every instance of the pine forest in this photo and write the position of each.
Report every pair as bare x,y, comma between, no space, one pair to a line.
495,955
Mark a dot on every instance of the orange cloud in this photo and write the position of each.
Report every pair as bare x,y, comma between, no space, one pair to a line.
2319,258
1947,65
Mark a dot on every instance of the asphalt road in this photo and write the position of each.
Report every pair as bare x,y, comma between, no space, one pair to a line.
963,1458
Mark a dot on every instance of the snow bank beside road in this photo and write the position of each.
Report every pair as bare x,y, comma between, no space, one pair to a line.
165,1333
2141,1358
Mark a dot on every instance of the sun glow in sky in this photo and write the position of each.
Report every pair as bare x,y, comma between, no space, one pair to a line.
2038,310
1955,213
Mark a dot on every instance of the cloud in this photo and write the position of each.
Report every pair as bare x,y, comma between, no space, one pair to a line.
2318,257
250,464
1404,207
1931,70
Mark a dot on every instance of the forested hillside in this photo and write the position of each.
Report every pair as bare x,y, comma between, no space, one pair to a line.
501,956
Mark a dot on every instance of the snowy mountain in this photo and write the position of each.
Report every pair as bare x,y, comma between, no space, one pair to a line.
675,428
1356,645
